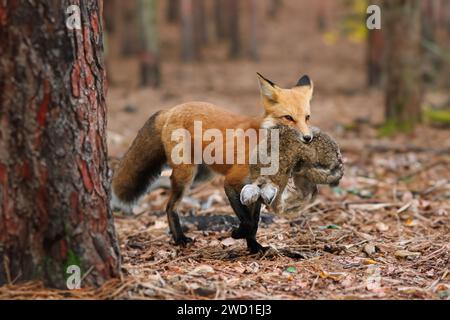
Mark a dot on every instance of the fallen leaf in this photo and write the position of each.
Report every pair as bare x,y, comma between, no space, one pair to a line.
382,227
228,242
406,254
369,261
202,269
336,276
411,223
159,224
369,249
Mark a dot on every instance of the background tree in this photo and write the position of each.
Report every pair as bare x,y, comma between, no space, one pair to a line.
402,34
148,32
173,11
252,8
234,31
54,179
189,48
220,18
128,25
375,53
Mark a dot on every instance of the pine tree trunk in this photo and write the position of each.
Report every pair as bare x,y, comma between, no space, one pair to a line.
375,51
234,29
201,23
402,30
221,19
253,27
274,8
189,49
128,37
54,177
149,56
173,11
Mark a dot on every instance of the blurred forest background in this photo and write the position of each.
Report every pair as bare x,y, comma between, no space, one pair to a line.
160,53
383,94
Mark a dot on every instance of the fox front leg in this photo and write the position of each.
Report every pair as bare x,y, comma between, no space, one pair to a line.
249,219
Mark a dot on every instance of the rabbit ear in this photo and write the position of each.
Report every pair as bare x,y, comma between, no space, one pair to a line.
250,194
315,130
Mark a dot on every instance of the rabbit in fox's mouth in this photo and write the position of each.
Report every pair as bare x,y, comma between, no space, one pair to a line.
318,162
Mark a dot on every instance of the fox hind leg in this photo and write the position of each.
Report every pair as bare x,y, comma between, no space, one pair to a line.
181,180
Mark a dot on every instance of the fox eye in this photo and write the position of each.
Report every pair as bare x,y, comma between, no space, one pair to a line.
289,118
307,118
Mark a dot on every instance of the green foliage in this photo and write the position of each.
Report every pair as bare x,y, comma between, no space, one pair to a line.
292,270
352,25
440,117
391,128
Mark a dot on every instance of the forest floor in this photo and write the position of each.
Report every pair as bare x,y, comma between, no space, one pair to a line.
384,233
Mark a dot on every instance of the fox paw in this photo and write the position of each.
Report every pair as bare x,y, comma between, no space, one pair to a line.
250,194
268,194
183,241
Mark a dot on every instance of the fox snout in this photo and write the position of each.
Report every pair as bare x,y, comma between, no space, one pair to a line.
306,136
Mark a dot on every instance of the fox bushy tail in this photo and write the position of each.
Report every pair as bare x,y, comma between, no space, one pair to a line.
141,165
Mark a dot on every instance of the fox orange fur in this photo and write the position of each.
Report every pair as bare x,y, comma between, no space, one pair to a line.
153,145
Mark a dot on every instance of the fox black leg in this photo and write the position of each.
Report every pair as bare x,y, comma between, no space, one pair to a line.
249,219
252,244
181,179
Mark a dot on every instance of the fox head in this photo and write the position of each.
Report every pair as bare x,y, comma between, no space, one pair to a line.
289,107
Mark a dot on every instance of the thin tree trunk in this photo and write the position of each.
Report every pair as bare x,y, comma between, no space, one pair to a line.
220,14
173,11
375,51
253,37
149,56
200,21
129,38
54,177
274,7
189,48
234,26
402,29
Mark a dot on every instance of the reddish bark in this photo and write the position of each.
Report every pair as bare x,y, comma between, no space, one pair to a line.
54,177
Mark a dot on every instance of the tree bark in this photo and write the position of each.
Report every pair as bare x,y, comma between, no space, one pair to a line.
54,176
402,30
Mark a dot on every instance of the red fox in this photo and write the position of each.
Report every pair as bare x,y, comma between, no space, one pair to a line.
153,148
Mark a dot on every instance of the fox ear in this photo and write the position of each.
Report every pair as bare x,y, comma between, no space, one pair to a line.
304,81
307,83
268,88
